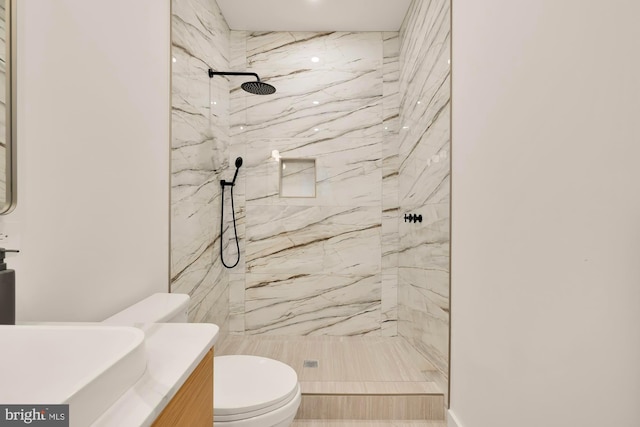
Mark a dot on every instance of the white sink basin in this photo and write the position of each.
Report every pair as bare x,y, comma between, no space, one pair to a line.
88,367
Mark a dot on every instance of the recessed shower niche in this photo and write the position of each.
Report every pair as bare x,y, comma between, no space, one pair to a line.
297,177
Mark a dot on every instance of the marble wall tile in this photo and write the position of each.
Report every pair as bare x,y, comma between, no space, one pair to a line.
423,312
423,283
332,111
208,302
348,170
312,239
200,122
426,244
346,85
349,104
425,104
425,165
391,80
390,242
335,50
236,303
313,304
391,161
423,179
389,305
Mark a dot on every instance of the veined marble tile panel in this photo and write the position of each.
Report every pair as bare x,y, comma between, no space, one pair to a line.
311,103
390,162
390,241
206,282
425,108
197,27
316,304
334,112
390,166
430,94
196,119
424,79
237,102
346,85
348,171
200,121
294,50
197,157
391,108
424,145
389,305
423,313
313,239
424,47
423,183
193,219
423,287
391,81
426,244
236,303
425,166
238,50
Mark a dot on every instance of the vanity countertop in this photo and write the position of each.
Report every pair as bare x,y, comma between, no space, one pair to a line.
173,350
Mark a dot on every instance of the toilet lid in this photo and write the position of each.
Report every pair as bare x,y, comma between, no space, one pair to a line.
251,384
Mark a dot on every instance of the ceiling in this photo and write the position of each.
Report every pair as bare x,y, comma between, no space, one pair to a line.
314,15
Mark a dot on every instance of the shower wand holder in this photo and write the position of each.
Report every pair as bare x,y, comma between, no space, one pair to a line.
224,183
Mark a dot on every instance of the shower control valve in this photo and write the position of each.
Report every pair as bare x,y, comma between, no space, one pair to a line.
412,218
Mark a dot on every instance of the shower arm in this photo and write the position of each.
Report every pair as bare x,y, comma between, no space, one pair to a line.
231,73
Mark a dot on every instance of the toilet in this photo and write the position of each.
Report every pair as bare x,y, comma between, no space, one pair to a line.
248,391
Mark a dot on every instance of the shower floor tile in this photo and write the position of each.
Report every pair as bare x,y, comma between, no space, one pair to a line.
340,359
385,373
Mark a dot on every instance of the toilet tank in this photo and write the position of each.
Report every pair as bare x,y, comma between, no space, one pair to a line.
158,308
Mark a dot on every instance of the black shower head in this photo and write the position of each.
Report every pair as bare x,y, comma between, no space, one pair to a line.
255,88
238,162
258,88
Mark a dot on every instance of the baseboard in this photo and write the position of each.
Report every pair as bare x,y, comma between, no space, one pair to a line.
452,421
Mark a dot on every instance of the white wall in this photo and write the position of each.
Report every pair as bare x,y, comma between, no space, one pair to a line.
546,213
92,221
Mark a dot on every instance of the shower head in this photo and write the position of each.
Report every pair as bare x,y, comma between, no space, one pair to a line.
238,162
256,88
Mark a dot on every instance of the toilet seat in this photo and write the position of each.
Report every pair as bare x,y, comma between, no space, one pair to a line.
250,386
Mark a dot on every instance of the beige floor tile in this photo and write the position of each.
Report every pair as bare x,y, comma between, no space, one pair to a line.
367,423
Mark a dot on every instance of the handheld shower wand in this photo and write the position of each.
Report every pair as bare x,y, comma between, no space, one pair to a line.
231,184
224,183
238,164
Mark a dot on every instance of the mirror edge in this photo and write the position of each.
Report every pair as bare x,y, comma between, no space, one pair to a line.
11,102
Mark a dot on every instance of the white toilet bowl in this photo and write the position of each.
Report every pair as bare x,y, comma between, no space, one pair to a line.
248,391
252,391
